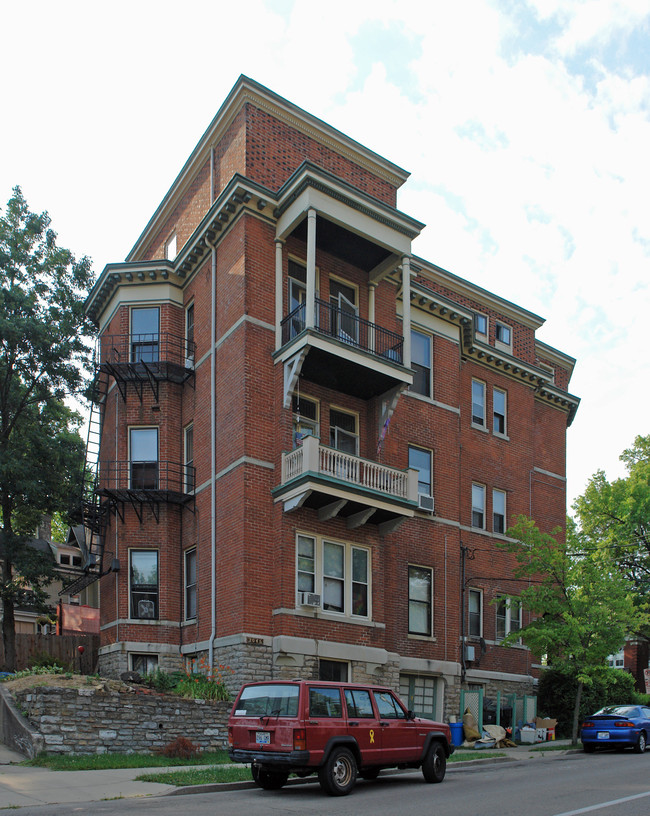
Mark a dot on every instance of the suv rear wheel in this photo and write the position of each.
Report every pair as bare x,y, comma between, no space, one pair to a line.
339,773
435,763
269,780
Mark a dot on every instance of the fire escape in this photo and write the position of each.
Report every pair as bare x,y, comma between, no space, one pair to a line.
137,365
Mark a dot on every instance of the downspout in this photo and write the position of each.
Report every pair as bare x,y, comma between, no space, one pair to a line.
463,667
213,435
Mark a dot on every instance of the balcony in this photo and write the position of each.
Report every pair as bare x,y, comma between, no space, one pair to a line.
151,483
338,484
344,352
146,358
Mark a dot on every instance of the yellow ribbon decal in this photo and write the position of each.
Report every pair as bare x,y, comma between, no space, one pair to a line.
372,736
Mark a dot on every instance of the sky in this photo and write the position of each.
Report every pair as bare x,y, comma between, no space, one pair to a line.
525,125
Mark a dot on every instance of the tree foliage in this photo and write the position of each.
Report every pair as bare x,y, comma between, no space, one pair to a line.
615,516
43,358
583,606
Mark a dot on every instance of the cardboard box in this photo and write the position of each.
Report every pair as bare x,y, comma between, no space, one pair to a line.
540,735
547,722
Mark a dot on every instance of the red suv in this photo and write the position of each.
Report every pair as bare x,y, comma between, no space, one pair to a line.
338,730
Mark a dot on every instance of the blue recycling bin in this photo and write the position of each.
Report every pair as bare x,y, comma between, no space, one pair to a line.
457,737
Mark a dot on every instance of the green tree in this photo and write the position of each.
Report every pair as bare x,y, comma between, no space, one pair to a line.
43,357
583,606
616,515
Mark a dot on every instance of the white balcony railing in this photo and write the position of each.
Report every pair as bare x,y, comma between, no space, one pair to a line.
312,457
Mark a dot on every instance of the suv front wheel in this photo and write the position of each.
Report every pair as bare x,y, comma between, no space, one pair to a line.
435,763
338,775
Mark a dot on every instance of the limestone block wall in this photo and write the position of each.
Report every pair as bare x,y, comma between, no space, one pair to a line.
90,721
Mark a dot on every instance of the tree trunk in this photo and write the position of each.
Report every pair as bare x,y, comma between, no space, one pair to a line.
576,714
9,635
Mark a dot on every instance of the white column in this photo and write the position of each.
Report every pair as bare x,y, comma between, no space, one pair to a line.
371,315
278,293
406,307
311,269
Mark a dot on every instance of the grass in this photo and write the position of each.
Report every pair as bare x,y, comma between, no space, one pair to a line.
200,776
550,746
102,762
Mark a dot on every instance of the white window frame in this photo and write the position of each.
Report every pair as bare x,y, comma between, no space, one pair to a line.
171,247
190,346
499,329
141,617
144,346
316,572
499,417
335,428
478,489
478,422
134,429
504,612
189,472
424,488
428,602
475,593
480,316
496,495
190,587
429,367
304,426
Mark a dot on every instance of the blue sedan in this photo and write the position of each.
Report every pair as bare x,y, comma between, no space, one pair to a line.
617,726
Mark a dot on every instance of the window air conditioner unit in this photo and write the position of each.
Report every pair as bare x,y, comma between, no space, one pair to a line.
470,653
309,599
426,502
189,362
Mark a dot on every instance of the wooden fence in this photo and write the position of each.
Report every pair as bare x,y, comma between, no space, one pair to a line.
65,648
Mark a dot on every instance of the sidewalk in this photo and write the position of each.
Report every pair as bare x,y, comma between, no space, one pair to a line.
21,786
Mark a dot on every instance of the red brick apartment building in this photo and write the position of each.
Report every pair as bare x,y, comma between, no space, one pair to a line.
308,440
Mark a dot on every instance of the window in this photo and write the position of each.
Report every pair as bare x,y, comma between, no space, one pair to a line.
188,464
358,703
344,434
325,702
508,617
143,664
297,297
189,332
481,324
170,247
64,559
499,411
388,706
333,670
420,606
499,511
420,460
339,572
503,334
478,403
478,506
475,613
421,363
305,419
76,560
143,584
145,335
345,312
143,444
190,584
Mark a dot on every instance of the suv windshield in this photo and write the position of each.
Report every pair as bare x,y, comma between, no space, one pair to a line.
271,700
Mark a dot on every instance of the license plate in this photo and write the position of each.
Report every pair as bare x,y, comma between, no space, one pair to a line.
603,735
263,737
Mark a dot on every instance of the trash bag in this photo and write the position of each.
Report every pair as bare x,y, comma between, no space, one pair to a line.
470,727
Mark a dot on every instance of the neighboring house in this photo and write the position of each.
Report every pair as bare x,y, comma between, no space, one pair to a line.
85,605
306,439
634,657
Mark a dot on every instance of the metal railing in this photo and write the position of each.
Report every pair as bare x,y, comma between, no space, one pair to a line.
161,476
346,327
152,348
313,457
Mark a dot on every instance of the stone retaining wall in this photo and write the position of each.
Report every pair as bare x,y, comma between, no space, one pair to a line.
91,721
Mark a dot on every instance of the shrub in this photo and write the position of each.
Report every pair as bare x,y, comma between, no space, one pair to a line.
43,660
181,748
162,681
557,694
200,687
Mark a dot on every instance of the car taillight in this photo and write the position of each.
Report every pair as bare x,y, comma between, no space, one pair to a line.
624,724
587,725
230,739
299,739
